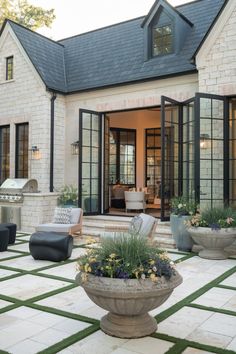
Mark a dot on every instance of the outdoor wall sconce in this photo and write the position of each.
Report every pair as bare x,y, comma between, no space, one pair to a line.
35,153
204,138
75,148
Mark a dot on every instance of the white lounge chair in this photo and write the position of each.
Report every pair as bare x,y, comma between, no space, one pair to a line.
73,227
135,201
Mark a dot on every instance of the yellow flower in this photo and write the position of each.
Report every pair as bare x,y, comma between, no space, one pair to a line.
153,277
112,255
151,262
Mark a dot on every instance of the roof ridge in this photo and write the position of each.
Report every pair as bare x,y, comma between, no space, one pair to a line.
33,32
101,28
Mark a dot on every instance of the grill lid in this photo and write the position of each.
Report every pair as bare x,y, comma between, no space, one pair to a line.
19,185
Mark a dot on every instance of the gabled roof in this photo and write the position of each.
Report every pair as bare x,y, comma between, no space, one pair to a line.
114,55
158,3
46,55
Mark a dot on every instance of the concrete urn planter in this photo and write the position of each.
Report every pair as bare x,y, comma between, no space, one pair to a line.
213,241
179,230
128,302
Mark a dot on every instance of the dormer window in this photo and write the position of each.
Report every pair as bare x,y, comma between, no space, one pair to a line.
162,40
9,68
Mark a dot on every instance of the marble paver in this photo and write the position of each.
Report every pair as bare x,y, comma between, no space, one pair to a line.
19,247
194,351
74,301
78,252
66,271
23,238
230,281
182,323
218,297
7,254
28,286
33,330
26,263
4,303
5,272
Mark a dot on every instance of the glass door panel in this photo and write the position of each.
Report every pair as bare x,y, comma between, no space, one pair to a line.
106,164
90,162
171,153
213,171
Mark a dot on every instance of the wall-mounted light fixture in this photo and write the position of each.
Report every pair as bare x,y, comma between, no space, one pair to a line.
75,148
204,138
35,153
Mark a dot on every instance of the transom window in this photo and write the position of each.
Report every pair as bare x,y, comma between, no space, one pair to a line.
9,68
122,156
162,40
22,148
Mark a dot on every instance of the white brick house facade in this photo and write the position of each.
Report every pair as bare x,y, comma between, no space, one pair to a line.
26,99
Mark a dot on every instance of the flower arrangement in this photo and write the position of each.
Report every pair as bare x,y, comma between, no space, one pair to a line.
215,218
182,206
68,194
127,256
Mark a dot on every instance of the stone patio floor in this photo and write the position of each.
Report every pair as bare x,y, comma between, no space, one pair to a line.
43,311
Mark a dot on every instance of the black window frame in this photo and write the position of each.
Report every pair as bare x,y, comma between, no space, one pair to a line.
9,68
4,170
164,36
20,170
118,155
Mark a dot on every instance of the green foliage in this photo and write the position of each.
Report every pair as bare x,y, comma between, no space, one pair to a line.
216,218
22,12
125,256
68,194
183,206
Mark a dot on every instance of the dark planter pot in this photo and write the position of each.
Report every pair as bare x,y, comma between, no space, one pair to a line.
182,237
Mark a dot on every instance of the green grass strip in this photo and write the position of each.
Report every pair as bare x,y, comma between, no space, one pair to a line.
63,313
54,277
70,340
182,344
213,309
180,260
3,352
52,293
11,257
8,308
228,287
186,301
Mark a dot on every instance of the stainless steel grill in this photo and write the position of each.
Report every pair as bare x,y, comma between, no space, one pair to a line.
12,190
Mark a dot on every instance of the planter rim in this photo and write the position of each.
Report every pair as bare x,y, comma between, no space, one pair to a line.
127,287
208,230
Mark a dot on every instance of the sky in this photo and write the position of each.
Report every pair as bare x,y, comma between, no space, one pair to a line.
78,16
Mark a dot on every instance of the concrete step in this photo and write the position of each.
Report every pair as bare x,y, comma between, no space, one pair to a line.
96,225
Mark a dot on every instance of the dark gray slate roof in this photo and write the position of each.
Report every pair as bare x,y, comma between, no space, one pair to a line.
113,55
46,55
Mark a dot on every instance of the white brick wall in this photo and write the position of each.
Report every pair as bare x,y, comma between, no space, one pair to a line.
216,60
25,99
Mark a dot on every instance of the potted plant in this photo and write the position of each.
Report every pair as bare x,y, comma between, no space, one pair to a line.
128,277
214,229
68,196
181,210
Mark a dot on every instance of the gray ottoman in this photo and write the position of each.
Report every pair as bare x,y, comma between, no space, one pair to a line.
4,239
50,246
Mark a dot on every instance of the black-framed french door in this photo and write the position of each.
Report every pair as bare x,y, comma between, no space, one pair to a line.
90,147
195,152
212,150
170,153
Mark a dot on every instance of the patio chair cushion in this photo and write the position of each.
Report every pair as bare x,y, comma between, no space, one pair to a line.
62,216
75,214
50,246
54,227
147,224
135,224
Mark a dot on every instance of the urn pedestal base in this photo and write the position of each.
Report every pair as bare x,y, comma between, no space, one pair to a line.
213,254
128,326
